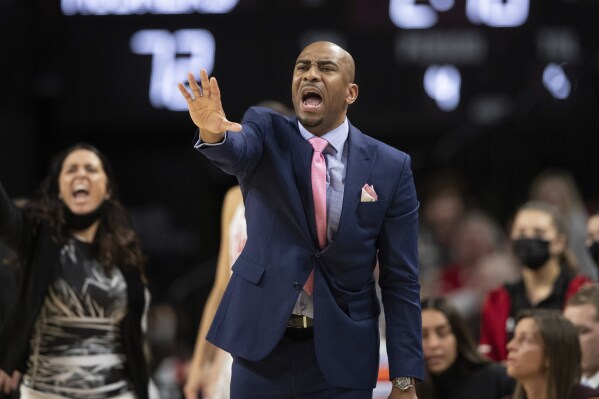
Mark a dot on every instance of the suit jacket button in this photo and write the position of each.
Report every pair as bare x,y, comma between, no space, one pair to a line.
297,286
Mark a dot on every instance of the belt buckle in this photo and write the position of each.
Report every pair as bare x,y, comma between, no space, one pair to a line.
300,321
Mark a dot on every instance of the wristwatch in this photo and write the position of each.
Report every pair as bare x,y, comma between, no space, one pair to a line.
403,383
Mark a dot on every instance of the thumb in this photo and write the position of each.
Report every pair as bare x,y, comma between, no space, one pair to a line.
232,126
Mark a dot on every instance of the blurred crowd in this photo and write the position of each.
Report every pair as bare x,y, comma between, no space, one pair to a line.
491,291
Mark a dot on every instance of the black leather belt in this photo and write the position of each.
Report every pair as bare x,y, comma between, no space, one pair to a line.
300,328
300,322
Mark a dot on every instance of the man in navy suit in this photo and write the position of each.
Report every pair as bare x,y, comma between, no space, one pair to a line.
300,313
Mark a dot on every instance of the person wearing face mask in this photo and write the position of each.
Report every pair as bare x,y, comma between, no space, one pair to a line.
76,328
593,237
549,275
454,368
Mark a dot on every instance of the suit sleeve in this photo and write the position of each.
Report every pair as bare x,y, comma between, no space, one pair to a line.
398,262
241,151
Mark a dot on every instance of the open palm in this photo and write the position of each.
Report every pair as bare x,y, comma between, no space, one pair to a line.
205,106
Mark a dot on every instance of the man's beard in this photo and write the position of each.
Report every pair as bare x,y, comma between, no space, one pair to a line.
310,122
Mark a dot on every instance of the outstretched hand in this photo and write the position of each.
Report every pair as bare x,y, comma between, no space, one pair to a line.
206,109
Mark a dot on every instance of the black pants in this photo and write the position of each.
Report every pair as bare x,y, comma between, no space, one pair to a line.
289,372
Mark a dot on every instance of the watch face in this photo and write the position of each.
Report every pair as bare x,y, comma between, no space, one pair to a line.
402,383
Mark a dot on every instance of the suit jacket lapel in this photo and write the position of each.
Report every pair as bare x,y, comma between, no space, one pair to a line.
360,157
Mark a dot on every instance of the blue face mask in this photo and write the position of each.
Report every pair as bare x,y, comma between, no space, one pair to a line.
531,252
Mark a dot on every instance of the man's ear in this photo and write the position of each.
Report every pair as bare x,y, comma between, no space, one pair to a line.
352,93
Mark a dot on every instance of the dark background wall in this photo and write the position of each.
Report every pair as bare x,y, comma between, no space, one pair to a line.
69,78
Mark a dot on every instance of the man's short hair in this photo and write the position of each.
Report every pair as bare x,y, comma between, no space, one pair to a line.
587,294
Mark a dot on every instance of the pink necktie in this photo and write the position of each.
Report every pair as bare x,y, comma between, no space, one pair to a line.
319,192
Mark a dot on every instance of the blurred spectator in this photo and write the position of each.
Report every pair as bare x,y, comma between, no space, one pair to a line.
557,187
582,310
168,362
476,237
443,206
479,264
210,367
454,368
77,326
540,243
593,238
544,357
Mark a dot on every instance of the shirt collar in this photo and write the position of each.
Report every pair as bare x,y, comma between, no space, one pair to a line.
336,137
592,381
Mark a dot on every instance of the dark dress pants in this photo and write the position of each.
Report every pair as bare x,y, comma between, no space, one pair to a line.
289,372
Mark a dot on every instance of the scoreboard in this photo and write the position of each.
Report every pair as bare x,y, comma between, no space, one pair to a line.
117,62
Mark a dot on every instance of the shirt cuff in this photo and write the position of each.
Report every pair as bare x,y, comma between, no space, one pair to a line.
200,144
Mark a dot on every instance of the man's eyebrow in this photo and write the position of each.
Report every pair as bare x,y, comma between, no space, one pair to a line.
319,62
326,62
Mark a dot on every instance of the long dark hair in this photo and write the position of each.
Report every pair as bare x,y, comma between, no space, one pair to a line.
561,347
115,243
467,348
467,352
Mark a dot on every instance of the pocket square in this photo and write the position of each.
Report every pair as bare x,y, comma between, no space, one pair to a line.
368,194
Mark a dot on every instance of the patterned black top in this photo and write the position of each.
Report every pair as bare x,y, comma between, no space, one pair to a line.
76,348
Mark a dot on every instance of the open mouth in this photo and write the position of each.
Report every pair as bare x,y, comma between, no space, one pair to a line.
80,193
311,99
